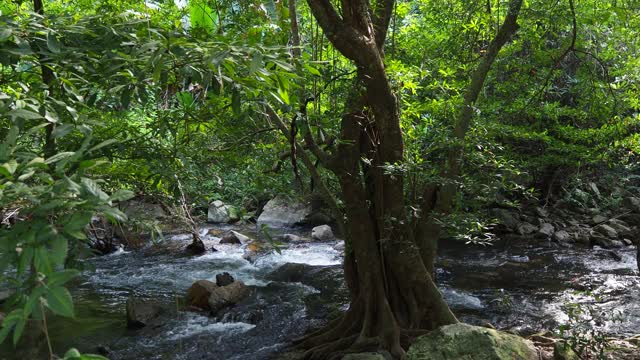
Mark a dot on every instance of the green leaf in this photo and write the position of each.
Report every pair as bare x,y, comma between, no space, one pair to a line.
26,256
26,176
114,214
41,260
72,354
60,302
18,329
235,102
35,162
9,322
202,16
59,248
24,114
5,34
62,277
103,144
256,62
312,70
92,188
52,43
121,195
10,166
62,130
59,156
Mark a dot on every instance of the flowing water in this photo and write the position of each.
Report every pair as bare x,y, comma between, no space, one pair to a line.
523,287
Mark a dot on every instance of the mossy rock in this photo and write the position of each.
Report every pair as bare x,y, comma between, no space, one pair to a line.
467,342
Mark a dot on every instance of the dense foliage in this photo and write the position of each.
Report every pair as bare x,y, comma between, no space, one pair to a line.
104,100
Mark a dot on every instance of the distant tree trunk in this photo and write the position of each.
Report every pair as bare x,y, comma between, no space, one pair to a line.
388,263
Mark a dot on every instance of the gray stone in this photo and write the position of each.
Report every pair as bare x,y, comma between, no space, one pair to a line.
605,242
283,212
463,341
252,251
546,230
621,227
291,238
218,212
6,294
505,217
526,228
230,238
597,219
606,230
627,242
562,236
234,237
594,189
198,294
632,219
224,279
632,203
322,233
229,295
542,212
141,313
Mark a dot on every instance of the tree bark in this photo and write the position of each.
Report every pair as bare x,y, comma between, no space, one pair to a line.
388,263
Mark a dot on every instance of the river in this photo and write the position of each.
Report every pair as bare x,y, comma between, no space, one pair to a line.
522,285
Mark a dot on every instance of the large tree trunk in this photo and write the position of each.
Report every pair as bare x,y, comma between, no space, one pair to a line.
388,263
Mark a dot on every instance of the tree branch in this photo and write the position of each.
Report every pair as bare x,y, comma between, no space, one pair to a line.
343,36
329,198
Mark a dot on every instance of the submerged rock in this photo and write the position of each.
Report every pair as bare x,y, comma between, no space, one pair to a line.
224,279
198,294
291,238
463,341
141,313
322,233
230,238
229,295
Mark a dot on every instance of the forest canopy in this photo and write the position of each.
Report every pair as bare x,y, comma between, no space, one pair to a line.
407,119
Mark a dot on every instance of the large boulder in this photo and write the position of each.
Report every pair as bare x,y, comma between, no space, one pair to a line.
322,233
526,228
198,294
283,212
606,230
229,295
218,212
467,342
546,230
506,218
141,313
632,203
562,236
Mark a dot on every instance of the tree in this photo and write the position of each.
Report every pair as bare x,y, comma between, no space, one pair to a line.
390,254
